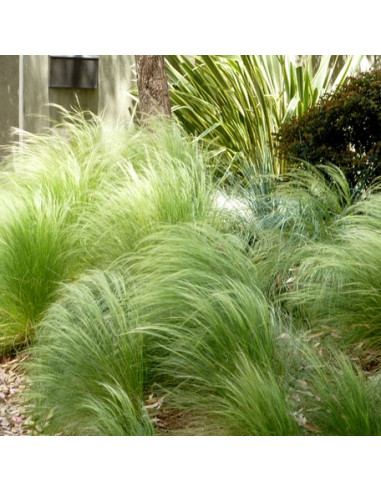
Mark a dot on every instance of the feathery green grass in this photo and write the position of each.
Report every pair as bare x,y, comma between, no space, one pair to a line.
255,402
171,186
87,368
340,401
338,284
288,213
198,297
81,197
116,256
38,250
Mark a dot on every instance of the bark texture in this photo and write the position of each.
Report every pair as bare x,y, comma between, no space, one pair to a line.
152,85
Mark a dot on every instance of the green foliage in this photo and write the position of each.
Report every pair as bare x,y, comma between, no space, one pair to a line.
255,402
199,300
201,285
338,283
236,103
165,182
46,187
340,401
71,162
288,213
87,368
250,317
343,128
87,197
38,250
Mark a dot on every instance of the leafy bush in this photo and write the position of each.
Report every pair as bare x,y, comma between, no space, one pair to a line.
343,128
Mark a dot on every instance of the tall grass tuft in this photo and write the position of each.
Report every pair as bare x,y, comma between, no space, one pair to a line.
38,250
339,400
81,196
255,401
87,369
198,296
71,161
338,284
288,213
47,184
166,182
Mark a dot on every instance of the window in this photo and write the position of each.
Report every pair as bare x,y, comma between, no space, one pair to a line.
74,71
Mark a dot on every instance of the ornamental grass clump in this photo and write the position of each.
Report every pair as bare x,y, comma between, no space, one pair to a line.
198,297
180,315
256,402
80,197
289,213
338,284
39,249
71,162
186,315
171,185
87,367
337,398
116,257
46,186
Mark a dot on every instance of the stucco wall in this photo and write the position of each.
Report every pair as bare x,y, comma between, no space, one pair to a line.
116,73
110,98
36,92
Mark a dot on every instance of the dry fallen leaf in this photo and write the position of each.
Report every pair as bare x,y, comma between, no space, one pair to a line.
311,427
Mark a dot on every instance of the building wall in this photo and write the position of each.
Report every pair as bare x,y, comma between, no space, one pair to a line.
35,93
110,98
9,97
115,77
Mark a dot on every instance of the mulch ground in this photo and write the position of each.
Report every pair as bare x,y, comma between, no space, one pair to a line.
168,421
14,419
13,411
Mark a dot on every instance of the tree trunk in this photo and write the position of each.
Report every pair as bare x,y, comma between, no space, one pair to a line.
152,86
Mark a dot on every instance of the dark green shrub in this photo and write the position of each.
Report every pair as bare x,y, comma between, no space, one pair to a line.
344,128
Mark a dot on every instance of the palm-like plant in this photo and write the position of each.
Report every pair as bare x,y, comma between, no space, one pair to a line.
236,103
